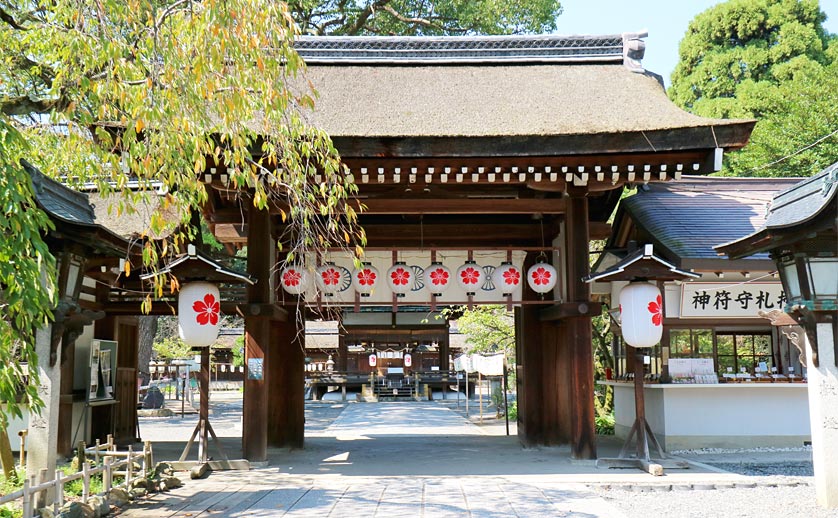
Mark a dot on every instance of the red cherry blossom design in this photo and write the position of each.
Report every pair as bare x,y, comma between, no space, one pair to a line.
512,277
366,277
541,276
439,277
331,277
207,310
655,308
470,275
291,278
400,276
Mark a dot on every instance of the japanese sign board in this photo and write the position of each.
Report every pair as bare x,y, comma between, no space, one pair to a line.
730,300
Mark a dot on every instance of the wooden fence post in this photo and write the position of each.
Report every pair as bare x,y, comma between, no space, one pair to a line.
147,460
59,492
129,468
96,453
41,496
107,481
85,491
80,453
27,496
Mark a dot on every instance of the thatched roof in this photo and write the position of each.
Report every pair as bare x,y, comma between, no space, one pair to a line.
480,87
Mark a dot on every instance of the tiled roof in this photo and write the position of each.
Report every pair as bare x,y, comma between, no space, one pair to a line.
689,217
804,200
335,50
59,201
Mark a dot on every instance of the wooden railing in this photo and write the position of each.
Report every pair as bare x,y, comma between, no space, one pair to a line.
34,486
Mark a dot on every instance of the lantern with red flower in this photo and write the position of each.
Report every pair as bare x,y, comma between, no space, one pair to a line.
400,278
408,360
506,278
641,316
365,279
437,278
330,279
373,360
470,276
541,277
294,279
199,310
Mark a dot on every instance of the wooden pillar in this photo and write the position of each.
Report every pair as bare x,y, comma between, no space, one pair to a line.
578,330
286,383
257,337
443,353
543,377
65,412
343,352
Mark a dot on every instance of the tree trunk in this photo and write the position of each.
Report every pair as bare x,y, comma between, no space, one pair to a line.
147,331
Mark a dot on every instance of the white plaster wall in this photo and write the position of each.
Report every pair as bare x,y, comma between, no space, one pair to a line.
737,410
717,411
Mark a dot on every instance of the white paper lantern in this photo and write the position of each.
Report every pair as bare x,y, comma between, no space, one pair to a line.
199,313
437,278
330,279
400,278
641,314
373,360
365,279
506,278
541,277
294,279
408,360
470,276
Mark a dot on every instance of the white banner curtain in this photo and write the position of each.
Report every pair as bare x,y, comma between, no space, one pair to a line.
485,365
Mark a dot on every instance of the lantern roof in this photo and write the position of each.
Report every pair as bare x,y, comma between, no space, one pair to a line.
643,263
196,265
808,206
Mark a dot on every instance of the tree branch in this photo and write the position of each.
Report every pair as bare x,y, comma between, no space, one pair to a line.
368,11
10,20
415,21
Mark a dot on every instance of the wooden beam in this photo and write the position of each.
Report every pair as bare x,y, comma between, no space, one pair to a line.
464,206
732,135
422,205
570,310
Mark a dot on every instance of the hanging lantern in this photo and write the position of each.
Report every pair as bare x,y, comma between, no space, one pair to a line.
199,313
541,277
470,276
641,314
373,360
437,278
506,278
365,279
400,278
331,279
408,360
294,279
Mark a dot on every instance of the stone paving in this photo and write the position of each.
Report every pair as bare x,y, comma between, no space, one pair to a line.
394,460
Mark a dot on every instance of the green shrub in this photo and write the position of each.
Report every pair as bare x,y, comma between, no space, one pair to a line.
513,411
604,424
10,511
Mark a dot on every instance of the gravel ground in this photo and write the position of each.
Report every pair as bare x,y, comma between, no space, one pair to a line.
758,502
782,480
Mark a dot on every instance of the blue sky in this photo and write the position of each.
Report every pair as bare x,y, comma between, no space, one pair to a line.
666,21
